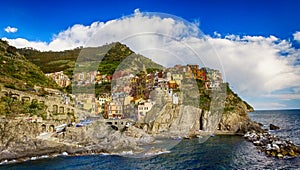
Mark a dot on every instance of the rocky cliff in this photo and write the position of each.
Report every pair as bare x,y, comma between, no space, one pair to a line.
227,114
235,115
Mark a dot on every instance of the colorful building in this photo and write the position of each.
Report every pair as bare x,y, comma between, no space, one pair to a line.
113,110
60,78
172,85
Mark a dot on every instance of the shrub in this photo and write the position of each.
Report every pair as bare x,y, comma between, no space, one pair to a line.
11,49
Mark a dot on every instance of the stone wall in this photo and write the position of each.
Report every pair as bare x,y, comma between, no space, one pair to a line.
56,109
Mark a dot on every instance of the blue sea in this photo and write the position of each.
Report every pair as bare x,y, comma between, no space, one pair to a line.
218,152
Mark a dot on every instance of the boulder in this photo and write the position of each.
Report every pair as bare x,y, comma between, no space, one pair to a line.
274,127
279,156
292,153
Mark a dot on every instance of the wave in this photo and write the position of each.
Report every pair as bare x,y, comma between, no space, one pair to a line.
157,153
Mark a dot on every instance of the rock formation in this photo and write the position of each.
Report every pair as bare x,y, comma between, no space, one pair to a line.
272,145
227,114
274,127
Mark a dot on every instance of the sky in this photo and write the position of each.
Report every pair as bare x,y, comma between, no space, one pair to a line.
255,44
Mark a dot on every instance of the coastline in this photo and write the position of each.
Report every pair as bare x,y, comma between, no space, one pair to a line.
67,149
85,151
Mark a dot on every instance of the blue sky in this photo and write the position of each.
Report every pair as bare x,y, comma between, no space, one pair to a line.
251,32
39,20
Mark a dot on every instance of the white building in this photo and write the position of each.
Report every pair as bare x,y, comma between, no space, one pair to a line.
143,109
175,99
214,85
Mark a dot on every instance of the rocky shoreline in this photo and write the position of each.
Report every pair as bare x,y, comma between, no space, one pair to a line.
272,145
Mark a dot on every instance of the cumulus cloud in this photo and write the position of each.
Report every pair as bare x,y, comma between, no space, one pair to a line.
73,37
22,43
10,29
254,65
297,36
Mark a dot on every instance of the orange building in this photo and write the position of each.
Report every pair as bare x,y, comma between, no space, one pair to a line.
172,85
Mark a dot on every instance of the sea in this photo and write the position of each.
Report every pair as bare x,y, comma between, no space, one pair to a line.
218,152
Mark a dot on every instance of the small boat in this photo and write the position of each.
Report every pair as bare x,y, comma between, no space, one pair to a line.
83,123
60,128
86,122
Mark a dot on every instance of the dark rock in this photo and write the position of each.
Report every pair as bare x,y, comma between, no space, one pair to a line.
250,126
260,124
274,127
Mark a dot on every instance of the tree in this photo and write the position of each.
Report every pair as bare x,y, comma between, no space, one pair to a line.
35,108
11,107
11,49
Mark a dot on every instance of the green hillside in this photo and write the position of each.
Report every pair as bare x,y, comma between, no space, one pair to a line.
18,73
50,61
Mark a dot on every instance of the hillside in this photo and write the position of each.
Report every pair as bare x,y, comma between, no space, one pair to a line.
18,73
110,55
50,61
114,54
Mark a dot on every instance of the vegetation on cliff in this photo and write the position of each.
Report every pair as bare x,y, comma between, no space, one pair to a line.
233,103
12,108
232,100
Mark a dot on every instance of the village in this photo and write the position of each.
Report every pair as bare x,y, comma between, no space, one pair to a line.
130,96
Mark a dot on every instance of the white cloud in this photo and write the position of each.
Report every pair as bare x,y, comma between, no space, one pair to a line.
269,105
10,29
21,43
137,11
286,96
297,36
73,37
216,34
253,65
